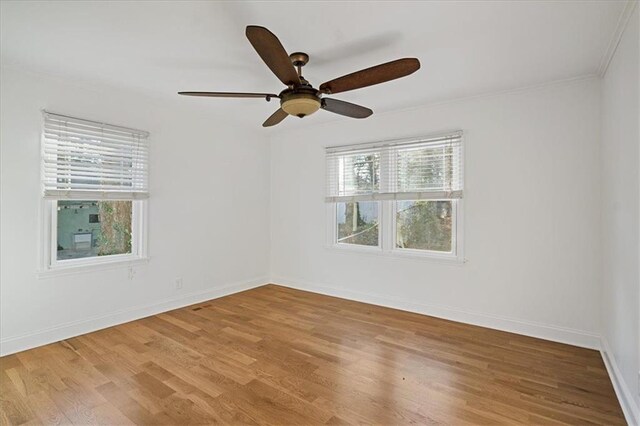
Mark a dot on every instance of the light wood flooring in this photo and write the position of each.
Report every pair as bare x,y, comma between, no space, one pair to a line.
274,355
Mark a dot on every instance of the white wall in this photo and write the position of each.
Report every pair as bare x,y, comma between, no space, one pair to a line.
532,214
212,231
621,213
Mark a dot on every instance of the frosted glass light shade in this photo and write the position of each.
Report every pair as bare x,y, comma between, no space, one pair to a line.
301,106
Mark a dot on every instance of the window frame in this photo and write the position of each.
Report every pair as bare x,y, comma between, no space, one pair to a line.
387,226
49,263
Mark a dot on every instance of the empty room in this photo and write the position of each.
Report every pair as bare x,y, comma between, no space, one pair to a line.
320,212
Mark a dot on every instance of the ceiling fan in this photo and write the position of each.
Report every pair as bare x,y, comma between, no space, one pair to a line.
300,98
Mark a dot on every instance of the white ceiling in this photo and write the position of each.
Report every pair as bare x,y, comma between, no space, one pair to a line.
466,48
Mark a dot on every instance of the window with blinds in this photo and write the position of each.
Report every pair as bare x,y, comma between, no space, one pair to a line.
84,159
401,197
95,187
425,168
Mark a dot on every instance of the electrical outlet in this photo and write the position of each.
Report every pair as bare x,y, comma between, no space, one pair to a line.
132,273
178,283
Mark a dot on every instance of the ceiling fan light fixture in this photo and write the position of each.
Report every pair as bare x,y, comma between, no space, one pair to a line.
300,104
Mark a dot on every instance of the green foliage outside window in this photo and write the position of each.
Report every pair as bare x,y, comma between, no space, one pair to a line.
115,227
424,225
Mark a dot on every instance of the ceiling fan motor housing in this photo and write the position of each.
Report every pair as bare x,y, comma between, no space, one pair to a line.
300,101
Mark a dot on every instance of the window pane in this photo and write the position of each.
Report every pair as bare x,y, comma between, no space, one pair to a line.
360,174
425,169
358,223
93,228
424,225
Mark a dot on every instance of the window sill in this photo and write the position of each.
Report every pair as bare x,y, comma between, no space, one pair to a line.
102,265
398,254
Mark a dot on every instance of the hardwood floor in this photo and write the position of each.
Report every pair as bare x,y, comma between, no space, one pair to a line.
274,355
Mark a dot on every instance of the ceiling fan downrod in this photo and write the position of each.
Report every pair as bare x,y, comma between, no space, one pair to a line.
299,60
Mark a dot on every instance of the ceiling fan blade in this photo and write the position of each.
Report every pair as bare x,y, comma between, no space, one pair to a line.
275,118
370,76
345,108
273,54
267,96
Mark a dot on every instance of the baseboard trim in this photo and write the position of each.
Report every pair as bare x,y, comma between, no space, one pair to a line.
532,329
629,407
64,331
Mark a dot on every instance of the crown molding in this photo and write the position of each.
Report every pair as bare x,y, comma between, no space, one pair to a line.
623,21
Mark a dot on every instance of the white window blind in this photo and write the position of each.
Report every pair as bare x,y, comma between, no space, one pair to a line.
424,168
83,159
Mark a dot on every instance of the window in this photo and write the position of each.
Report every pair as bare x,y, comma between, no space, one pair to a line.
398,197
95,190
